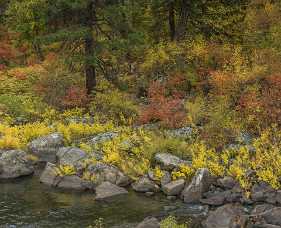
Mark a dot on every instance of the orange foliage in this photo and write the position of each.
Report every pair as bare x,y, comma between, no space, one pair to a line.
163,107
75,97
263,106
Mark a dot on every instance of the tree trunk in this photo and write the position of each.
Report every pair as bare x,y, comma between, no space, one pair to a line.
183,20
172,22
90,71
38,51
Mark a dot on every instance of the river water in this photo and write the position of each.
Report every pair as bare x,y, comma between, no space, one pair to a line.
27,203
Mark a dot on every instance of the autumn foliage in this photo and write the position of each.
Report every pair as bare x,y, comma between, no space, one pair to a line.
165,104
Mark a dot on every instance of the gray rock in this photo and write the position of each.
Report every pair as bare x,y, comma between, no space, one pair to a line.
261,208
262,192
227,216
15,163
166,178
144,184
278,197
226,182
72,182
183,132
191,210
51,177
107,190
272,216
171,198
174,188
151,175
149,194
245,138
199,185
149,223
46,147
169,162
100,138
103,172
216,199
71,156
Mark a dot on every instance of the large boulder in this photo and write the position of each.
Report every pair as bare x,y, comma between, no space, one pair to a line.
173,188
15,163
199,185
46,147
169,162
144,184
71,156
107,190
51,177
103,172
227,216
149,222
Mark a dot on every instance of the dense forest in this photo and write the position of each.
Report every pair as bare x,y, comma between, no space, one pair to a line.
151,88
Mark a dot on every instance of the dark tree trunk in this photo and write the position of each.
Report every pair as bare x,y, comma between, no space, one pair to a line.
90,71
172,22
183,20
38,51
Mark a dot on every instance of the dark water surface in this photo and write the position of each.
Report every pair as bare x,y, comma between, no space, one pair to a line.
27,203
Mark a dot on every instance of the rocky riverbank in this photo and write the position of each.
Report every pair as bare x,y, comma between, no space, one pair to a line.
222,202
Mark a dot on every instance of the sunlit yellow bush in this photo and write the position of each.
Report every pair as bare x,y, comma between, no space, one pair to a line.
16,137
128,152
74,131
65,170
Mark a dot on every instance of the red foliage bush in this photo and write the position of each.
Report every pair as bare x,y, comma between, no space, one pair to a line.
75,97
163,107
263,106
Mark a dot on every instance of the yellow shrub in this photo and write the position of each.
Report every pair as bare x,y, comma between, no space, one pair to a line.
17,137
74,131
128,152
184,172
158,173
65,170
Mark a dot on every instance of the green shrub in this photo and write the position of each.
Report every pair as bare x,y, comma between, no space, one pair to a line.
114,105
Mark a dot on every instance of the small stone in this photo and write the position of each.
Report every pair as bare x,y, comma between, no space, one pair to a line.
174,188
100,138
172,198
216,199
149,194
169,162
169,208
226,182
144,184
149,223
